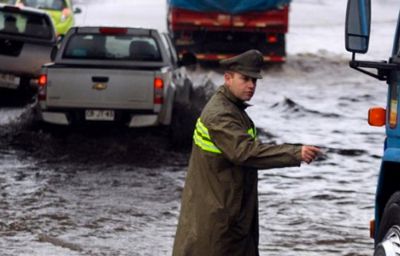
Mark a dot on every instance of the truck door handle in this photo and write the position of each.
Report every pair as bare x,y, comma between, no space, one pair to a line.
100,79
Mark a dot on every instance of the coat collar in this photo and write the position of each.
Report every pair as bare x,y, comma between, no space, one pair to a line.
227,93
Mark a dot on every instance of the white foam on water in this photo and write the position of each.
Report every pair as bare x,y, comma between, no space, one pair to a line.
8,115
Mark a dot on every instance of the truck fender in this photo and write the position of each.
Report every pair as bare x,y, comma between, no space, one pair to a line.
166,114
392,155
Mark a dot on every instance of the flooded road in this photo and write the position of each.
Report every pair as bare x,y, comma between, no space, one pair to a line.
114,191
75,193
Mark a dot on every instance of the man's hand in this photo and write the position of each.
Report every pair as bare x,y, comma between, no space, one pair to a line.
309,153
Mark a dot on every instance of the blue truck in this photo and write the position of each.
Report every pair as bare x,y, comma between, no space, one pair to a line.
217,29
385,228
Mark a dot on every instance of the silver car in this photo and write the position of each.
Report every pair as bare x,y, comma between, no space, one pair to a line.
111,74
27,40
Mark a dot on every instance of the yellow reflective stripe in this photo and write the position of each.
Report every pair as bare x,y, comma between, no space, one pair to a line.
202,129
203,140
252,132
207,148
204,144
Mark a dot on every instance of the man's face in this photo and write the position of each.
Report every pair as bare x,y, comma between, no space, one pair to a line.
243,87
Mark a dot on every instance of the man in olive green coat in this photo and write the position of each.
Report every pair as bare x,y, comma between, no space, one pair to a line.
219,212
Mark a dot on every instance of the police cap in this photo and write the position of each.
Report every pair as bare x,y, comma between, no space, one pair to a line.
248,63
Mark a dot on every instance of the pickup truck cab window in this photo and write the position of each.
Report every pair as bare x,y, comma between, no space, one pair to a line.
112,47
32,25
45,4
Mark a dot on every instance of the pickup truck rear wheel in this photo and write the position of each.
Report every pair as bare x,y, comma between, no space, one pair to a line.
388,236
26,90
182,125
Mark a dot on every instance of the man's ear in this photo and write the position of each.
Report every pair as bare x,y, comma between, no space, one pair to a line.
228,76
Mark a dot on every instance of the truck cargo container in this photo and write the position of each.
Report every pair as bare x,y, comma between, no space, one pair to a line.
215,30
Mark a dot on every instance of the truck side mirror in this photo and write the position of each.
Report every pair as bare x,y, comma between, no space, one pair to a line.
77,10
358,24
188,59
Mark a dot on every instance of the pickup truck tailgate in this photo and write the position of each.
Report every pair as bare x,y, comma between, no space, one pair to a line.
100,88
27,62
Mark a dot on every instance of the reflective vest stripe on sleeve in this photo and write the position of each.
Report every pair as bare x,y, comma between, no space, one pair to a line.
202,138
252,132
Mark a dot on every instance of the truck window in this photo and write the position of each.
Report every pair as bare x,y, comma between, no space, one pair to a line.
393,104
58,5
32,25
112,47
396,45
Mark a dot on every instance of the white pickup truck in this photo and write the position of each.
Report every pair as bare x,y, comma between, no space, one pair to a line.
111,74
27,40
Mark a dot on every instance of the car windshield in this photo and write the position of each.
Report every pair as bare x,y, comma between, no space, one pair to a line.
25,24
112,47
58,5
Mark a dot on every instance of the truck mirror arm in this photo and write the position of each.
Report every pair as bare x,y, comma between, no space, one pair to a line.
382,68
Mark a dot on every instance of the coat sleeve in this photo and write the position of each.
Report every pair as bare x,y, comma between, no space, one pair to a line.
240,148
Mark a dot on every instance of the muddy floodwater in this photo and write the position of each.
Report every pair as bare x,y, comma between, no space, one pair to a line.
115,191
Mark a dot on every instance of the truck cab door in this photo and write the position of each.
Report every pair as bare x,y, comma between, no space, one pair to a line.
389,177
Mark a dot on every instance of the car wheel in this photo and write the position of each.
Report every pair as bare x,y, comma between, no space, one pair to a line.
388,236
182,126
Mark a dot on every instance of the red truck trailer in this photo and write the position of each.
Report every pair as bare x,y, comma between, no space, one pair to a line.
217,31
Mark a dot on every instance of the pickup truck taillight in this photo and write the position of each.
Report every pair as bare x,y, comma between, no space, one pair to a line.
42,82
158,91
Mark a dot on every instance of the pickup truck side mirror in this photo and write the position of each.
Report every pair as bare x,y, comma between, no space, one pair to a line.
358,24
77,10
188,59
